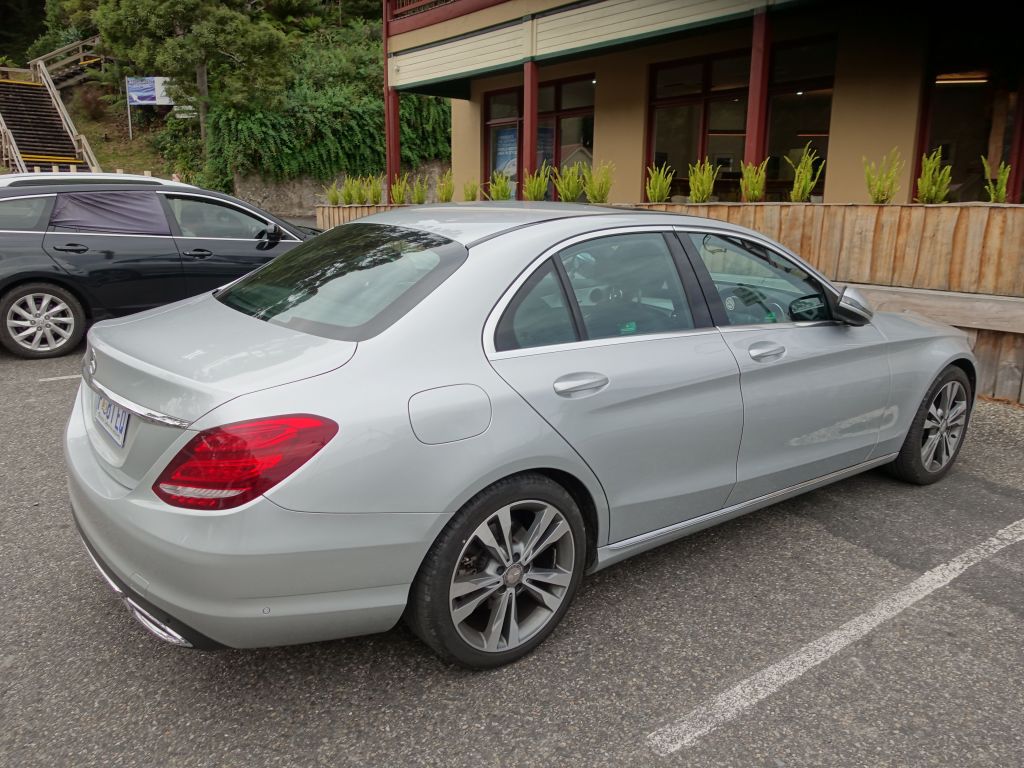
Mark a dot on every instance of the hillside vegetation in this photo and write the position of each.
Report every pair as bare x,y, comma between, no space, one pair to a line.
285,89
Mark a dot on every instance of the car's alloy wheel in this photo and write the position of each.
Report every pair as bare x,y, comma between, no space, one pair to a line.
512,576
944,426
40,322
501,574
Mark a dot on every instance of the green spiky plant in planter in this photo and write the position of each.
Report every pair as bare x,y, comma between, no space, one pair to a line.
471,191
753,180
535,185
400,189
351,190
570,182
882,179
805,177
659,183
500,187
333,194
445,187
933,183
995,184
702,180
419,190
597,183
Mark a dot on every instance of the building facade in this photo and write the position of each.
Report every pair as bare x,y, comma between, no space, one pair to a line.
637,83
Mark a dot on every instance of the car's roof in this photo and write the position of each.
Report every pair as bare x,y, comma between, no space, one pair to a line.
51,178
56,188
472,223
469,223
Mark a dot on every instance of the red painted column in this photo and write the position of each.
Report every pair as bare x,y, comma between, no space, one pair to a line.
392,145
1015,186
392,136
530,90
757,96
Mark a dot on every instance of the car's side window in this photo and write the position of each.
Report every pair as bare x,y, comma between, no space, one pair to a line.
124,213
627,285
538,314
758,286
24,213
205,218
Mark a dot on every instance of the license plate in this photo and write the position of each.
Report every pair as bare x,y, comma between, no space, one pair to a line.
113,418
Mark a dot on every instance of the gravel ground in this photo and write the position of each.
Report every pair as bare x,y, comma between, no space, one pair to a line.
648,641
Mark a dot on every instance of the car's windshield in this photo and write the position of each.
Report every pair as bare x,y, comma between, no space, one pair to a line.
349,283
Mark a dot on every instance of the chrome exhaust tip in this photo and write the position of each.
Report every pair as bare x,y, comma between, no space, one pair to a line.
152,625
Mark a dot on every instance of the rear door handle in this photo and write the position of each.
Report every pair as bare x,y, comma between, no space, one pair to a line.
579,383
72,248
199,253
764,351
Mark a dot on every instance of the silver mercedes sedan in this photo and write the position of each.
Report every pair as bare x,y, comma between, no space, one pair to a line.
452,414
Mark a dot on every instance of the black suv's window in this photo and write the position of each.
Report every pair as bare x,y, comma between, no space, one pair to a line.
538,314
205,218
126,213
24,213
349,283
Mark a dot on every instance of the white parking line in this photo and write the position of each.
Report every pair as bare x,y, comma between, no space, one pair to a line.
63,378
759,686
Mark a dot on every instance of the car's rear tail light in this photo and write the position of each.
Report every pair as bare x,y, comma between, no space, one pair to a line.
226,466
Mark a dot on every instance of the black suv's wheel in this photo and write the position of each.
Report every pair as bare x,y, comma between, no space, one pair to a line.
41,320
502,573
938,430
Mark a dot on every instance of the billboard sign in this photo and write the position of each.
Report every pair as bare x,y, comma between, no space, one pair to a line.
147,91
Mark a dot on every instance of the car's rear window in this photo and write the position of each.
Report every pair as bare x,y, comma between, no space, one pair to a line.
349,283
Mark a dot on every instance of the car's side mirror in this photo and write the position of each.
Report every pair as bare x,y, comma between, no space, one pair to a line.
273,233
852,308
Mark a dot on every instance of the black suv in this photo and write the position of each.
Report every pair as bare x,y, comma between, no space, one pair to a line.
75,252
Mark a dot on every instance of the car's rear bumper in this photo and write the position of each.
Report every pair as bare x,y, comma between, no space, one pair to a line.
257,576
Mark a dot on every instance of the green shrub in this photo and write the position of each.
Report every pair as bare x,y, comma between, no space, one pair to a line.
752,181
400,189
933,183
445,187
470,191
500,186
351,190
535,185
996,189
570,182
333,193
882,179
702,180
659,183
597,184
373,190
805,178
419,190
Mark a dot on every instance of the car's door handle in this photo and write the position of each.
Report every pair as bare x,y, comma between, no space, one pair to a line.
71,248
199,253
763,351
579,383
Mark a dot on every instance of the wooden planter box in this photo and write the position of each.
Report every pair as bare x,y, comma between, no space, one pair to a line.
328,216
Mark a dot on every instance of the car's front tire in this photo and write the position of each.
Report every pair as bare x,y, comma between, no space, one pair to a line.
938,430
501,574
41,320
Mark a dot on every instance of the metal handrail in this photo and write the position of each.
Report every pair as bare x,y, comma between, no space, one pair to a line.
9,154
82,147
81,45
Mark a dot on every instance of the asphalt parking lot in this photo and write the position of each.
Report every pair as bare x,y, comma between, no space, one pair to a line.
648,643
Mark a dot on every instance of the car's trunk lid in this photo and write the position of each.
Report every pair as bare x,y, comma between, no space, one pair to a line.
168,367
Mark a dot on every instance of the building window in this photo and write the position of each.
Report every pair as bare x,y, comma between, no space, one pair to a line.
698,110
502,128
799,110
971,114
565,126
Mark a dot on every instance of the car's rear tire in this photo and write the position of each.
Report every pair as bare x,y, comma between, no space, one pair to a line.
938,430
40,320
501,574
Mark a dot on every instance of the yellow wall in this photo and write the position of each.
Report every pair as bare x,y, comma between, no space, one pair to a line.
876,104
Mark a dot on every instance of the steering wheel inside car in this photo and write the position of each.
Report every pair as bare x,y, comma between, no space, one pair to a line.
738,301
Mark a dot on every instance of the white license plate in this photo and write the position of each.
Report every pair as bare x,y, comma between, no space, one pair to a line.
113,418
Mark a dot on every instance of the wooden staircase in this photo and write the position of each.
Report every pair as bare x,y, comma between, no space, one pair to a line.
36,130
